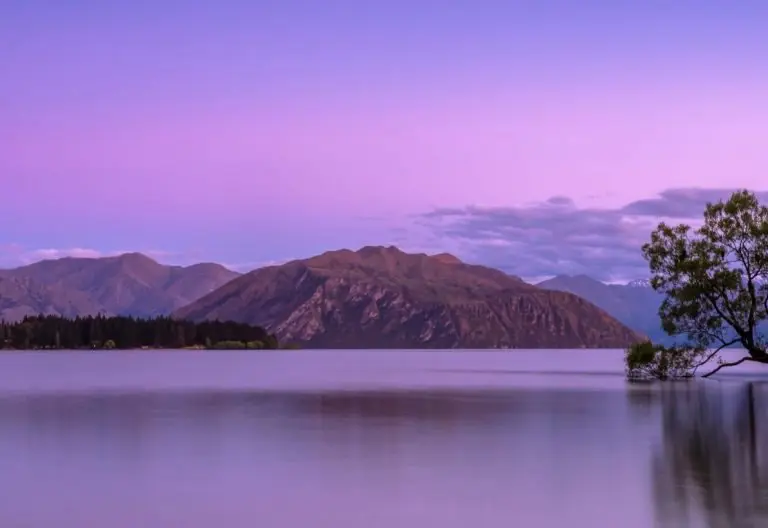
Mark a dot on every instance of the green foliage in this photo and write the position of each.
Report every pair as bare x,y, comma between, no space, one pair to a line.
646,360
43,332
715,277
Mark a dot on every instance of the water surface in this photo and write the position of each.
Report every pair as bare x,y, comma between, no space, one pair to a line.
376,439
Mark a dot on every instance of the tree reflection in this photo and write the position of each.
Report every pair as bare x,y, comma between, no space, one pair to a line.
711,468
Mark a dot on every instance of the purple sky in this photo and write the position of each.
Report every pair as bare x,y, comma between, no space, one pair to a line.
254,131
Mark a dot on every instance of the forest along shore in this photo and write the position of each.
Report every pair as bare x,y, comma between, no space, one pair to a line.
101,332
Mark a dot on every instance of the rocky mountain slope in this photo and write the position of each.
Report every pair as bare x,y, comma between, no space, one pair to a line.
129,284
382,297
20,297
635,304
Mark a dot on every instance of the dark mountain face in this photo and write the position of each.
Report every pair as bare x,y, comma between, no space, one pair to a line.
635,304
382,297
130,284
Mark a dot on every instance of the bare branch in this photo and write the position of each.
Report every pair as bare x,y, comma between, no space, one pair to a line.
714,353
732,364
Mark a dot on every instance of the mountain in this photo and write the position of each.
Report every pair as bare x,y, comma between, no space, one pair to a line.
129,284
381,297
635,304
20,297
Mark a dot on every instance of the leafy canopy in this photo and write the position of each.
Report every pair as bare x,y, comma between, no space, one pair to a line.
715,277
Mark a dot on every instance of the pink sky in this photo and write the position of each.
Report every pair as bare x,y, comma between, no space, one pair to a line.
494,149
198,121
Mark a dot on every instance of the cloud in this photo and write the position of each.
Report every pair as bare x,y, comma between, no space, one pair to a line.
534,240
245,267
558,237
681,203
45,254
13,255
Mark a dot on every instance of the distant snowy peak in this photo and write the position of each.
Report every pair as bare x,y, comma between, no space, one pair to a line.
639,283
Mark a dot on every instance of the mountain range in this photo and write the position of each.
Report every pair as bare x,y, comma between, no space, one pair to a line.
376,297
129,284
381,297
635,304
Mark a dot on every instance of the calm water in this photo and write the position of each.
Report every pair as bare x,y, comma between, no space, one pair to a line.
376,439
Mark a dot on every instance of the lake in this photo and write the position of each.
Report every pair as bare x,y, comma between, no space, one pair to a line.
401,439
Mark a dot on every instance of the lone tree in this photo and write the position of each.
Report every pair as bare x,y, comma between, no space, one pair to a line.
715,280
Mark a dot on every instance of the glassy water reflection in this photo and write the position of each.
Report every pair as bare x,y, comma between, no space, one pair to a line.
452,440
710,468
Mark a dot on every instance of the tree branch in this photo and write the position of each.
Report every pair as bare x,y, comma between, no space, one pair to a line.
717,337
731,322
713,354
732,364
753,306
728,306
765,304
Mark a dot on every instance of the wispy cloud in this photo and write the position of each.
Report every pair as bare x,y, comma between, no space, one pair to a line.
559,237
13,255
245,267
532,240
50,253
